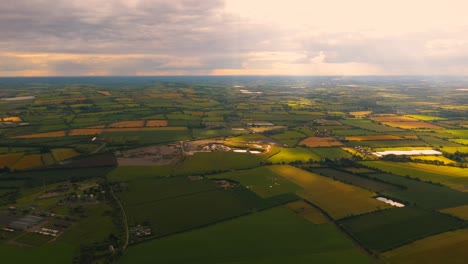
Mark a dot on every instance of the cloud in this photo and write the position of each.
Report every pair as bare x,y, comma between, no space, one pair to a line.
132,37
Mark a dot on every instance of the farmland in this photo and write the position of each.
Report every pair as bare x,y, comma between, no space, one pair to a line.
337,199
233,169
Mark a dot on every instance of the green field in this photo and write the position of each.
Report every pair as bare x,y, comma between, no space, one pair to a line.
263,181
202,163
130,173
360,181
391,228
331,153
271,239
420,193
287,155
454,177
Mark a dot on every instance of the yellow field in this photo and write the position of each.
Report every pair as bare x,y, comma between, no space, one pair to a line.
330,123
45,135
308,212
411,137
28,161
373,137
106,93
448,247
459,211
393,119
7,160
156,123
12,119
320,142
64,153
433,158
137,123
360,113
412,125
47,159
336,198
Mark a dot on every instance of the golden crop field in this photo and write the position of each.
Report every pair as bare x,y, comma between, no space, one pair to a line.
393,119
448,247
157,123
7,160
459,211
373,137
360,113
85,131
308,212
434,158
320,142
45,135
336,198
64,153
137,123
12,119
412,125
28,161
106,93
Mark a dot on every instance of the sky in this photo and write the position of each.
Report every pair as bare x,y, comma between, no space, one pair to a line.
233,37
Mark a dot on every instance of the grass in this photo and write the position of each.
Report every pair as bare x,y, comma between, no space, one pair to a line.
368,125
308,212
62,253
336,198
202,163
448,247
453,177
288,155
263,181
33,239
388,229
271,239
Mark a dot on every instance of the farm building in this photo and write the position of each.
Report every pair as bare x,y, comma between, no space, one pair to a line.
26,222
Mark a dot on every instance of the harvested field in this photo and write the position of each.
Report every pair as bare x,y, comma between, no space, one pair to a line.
91,132
28,161
12,119
360,113
320,142
156,123
45,135
7,160
412,125
106,93
122,124
449,247
151,156
393,119
64,153
373,137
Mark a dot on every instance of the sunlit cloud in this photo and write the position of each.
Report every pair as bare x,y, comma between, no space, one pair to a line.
199,37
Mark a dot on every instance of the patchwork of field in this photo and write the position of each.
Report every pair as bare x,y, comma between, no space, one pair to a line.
331,153
392,228
61,154
336,198
448,247
271,240
320,142
454,177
